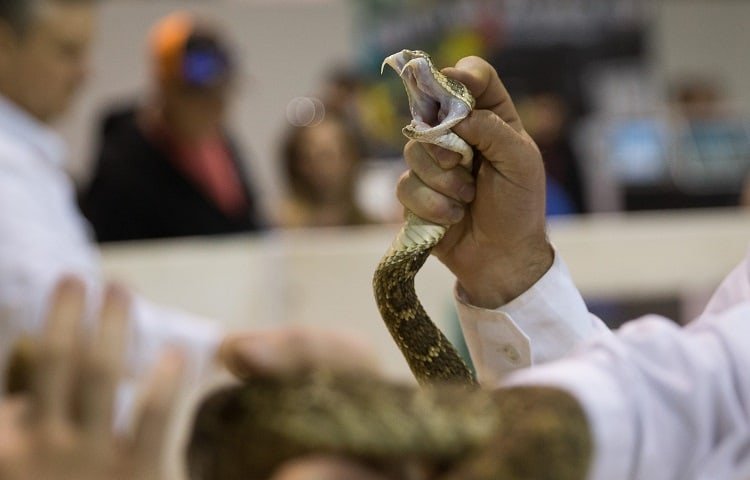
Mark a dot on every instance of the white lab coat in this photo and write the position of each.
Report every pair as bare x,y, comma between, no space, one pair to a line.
663,402
43,236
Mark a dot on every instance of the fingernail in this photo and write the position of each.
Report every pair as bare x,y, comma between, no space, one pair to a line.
253,357
71,285
457,213
118,295
467,193
445,158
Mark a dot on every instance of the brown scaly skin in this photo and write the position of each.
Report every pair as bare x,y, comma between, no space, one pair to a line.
447,432
431,357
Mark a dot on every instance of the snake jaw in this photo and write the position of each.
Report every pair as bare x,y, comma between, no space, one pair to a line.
437,103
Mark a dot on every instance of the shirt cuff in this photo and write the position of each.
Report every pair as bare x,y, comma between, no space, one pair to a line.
543,324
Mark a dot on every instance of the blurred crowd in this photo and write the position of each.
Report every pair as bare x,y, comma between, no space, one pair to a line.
167,165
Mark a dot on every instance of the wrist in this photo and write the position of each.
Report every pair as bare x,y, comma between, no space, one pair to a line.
501,280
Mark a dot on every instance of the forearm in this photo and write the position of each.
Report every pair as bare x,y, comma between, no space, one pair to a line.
506,277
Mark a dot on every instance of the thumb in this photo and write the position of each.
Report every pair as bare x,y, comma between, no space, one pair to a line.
483,82
497,141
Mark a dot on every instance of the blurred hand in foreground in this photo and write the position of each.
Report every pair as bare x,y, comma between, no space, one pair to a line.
63,429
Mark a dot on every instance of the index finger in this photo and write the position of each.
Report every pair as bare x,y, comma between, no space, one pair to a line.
483,82
54,372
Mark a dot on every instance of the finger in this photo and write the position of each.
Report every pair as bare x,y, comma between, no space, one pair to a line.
294,351
494,138
324,468
104,367
447,159
427,203
158,402
483,82
15,441
57,356
457,183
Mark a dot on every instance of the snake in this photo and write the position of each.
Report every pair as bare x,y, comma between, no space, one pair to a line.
437,104
447,428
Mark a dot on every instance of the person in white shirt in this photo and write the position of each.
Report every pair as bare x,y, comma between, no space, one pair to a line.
43,237
661,402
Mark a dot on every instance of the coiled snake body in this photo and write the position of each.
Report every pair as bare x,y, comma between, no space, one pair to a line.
443,430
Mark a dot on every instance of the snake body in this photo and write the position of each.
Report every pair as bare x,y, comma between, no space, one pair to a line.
437,104
441,431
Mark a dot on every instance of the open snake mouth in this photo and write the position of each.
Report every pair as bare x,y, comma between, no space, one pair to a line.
434,108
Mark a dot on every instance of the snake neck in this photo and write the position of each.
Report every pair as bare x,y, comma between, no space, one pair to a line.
430,355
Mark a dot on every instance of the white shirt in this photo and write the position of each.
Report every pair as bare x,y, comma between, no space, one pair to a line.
43,236
663,402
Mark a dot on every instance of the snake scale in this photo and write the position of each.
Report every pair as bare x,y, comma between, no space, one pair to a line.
448,429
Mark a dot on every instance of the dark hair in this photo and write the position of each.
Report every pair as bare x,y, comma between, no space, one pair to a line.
19,14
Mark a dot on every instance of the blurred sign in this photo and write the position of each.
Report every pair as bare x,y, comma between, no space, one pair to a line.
389,25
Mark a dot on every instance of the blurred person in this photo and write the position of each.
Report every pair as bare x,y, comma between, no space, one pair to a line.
661,402
61,427
321,163
340,92
546,118
712,141
696,98
168,168
43,237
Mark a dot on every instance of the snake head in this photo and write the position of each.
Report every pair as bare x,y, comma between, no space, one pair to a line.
437,103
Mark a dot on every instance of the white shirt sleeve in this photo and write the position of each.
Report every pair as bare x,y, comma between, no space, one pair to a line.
663,402
544,324
42,238
733,290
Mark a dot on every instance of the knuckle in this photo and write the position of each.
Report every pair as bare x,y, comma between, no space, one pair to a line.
405,187
413,151
437,206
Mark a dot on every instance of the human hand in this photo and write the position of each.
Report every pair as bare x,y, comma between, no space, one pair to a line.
63,430
497,245
293,351
325,468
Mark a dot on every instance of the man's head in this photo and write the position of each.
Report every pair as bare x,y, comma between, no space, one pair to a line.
193,71
44,48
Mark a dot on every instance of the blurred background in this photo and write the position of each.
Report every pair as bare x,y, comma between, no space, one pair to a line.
640,108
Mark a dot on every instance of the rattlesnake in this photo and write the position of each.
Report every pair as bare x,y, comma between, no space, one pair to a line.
437,104
447,429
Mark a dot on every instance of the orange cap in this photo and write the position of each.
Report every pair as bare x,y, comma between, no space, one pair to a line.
169,39
191,52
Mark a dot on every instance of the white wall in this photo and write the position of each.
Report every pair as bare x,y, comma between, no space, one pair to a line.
286,47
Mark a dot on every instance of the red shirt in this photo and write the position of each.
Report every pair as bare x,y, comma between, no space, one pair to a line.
209,165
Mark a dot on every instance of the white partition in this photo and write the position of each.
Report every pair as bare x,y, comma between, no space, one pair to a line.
322,278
